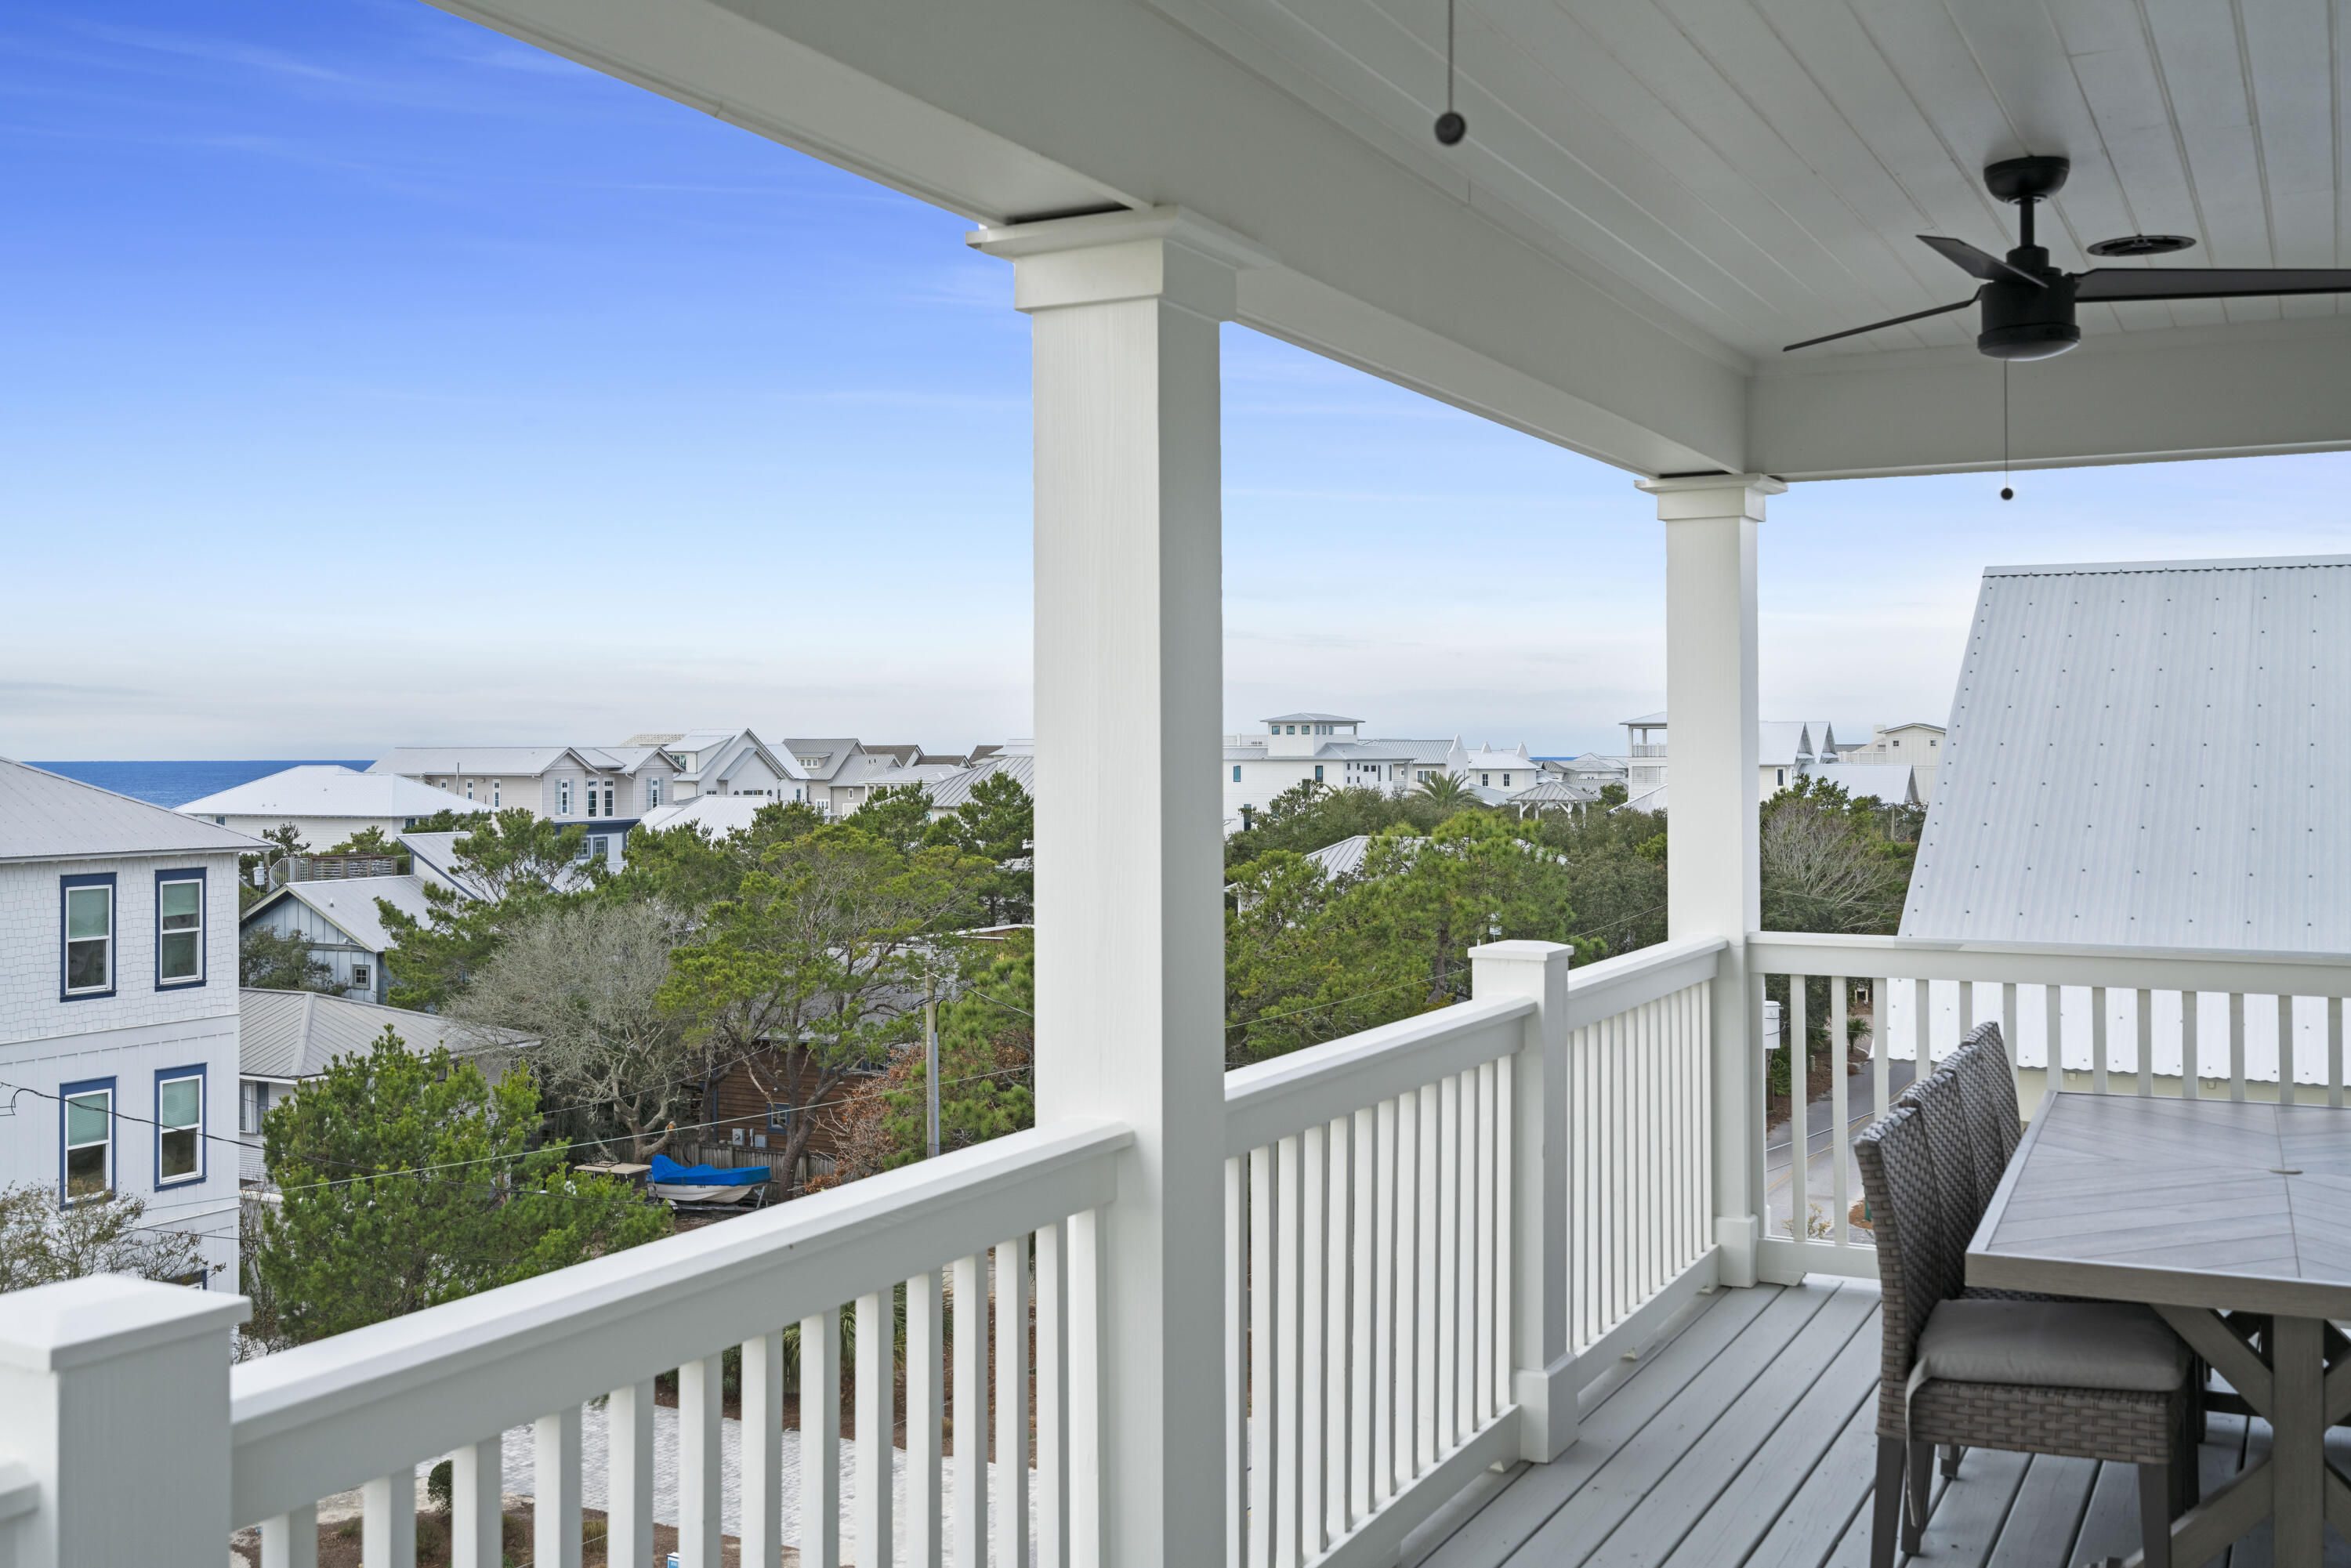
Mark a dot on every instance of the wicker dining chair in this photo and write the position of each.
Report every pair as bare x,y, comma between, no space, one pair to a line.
1987,1089
2082,1379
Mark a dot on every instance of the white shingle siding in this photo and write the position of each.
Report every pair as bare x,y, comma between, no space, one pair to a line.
31,931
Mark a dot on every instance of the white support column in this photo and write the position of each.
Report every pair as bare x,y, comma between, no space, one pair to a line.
1543,1375
1130,961
1713,885
114,1409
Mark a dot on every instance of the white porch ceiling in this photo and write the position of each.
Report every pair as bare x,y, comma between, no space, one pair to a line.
1655,195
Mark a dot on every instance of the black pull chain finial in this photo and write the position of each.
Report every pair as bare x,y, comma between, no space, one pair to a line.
1450,125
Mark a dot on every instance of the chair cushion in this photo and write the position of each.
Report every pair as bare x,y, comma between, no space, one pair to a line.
2053,1344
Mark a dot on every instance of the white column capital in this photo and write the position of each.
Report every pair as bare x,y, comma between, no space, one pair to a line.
1151,253
1688,497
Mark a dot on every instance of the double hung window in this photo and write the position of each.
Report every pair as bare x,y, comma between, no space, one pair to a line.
179,1125
89,1139
89,938
179,928
653,792
494,793
563,798
252,1104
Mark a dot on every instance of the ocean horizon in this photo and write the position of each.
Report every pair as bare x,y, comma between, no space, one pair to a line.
175,784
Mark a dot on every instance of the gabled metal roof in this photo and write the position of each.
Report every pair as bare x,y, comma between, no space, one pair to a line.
2151,753
45,817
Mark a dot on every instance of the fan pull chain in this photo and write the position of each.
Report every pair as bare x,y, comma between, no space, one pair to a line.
2006,494
1450,125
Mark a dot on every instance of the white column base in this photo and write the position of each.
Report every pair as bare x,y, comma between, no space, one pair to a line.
1738,1236
1546,1409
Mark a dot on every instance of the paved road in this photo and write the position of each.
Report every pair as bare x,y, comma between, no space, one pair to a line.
1820,1166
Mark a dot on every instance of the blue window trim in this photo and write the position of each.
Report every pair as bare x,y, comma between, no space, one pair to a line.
204,928
1317,773
113,1145
113,958
203,1114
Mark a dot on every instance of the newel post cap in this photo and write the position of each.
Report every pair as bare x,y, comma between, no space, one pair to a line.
54,1328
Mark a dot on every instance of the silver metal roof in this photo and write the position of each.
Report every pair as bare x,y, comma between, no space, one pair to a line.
350,905
285,1036
330,790
1019,766
2148,753
44,817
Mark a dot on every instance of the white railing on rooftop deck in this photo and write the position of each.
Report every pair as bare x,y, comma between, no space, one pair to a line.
1377,1272
1437,1234
364,1408
2105,1020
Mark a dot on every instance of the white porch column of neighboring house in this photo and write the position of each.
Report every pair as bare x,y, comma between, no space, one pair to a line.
1130,948
1713,883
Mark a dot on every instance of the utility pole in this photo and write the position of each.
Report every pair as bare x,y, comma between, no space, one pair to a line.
931,1062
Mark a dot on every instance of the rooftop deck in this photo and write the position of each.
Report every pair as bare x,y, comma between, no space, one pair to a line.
1744,1439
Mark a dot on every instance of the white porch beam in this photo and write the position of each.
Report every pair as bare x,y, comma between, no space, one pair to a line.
1129,939
1007,110
2122,397
1713,881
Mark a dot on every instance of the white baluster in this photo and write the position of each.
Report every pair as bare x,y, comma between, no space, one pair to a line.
1364,1362
1881,1044
761,1457
1503,1170
476,1504
1797,1050
820,1443
2097,1039
1447,1183
2007,1026
1840,1118
2285,1049
925,1540
1085,1389
1287,1279
1052,1523
1336,1164
555,1501
2191,1064
1313,1200
1387,1366
388,1521
1011,1511
876,1418
2053,1017
968,1529
2236,1045
701,1407
2334,1052
629,1473
2146,1043
291,1539
1264,1394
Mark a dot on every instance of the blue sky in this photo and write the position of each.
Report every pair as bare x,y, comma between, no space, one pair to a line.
372,379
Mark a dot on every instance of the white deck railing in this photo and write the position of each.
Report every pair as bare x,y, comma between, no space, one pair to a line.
364,1408
1437,1234
1375,1264
2130,1021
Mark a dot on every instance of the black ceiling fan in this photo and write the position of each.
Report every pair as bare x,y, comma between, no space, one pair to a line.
2028,305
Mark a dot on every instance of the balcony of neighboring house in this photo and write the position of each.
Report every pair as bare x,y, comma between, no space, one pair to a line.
1519,1281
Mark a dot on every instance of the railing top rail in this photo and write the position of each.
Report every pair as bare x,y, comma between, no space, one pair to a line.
2052,963
1620,984
1270,1100
326,1416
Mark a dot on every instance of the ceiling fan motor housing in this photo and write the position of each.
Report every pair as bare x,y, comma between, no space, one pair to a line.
2022,322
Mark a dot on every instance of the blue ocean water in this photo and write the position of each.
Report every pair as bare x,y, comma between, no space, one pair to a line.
177,783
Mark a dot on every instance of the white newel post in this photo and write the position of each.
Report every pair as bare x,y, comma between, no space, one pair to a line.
1542,1364
1713,885
114,1400
1130,965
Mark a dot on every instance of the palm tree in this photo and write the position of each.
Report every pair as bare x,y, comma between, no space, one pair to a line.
1446,790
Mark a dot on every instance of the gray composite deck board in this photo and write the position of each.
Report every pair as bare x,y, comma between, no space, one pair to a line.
1503,1525
1749,1440
2045,1515
1743,1447
1585,1521
1814,1519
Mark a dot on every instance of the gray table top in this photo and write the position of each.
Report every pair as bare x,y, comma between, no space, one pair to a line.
2193,1203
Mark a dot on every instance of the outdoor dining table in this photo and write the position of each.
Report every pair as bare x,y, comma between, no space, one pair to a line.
2203,1208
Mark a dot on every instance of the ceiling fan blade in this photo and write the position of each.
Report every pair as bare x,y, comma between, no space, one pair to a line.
2209,282
1894,321
1978,263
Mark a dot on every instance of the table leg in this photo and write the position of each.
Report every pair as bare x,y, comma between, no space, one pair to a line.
2298,1444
